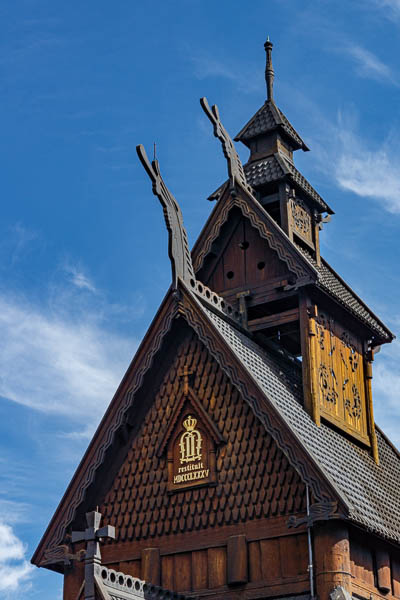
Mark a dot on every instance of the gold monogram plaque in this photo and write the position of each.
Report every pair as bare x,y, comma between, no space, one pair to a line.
191,453
192,464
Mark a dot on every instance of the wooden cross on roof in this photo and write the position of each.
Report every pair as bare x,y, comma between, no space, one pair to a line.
92,535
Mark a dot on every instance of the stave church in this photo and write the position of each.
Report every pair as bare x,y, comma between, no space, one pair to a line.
239,457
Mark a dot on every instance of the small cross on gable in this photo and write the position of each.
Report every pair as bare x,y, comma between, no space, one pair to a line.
184,373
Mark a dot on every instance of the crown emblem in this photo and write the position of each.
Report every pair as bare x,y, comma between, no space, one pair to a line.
190,423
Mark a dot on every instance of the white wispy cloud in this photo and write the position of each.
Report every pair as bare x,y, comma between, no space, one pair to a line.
60,365
64,356
13,512
366,171
15,570
79,278
369,65
368,168
246,79
390,8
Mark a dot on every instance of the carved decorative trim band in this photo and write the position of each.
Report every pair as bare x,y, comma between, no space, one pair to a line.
283,250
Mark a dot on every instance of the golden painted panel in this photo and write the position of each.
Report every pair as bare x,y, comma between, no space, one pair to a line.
340,371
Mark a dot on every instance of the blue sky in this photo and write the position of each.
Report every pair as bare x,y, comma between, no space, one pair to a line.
83,247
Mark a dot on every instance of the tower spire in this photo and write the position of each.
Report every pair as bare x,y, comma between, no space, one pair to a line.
269,70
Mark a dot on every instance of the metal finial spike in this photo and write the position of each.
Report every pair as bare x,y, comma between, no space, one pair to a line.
269,70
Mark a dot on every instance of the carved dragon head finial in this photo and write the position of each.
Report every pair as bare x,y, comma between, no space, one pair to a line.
269,70
178,247
235,167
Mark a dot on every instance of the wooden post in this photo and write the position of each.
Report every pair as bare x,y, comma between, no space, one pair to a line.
237,559
332,558
383,571
309,357
370,408
316,222
150,570
284,206
73,580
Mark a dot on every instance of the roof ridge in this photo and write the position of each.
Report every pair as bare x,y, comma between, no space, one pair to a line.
356,296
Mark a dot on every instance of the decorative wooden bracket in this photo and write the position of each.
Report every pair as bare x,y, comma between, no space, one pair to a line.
320,511
62,554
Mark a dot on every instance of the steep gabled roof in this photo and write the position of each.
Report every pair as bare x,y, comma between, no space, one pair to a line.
277,167
336,287
327,279
370,491
267,119
333,467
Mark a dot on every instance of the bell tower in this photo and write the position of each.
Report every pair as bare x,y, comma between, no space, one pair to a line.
260,251
281,189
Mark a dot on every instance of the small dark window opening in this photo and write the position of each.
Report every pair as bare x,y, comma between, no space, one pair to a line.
230,274
261,265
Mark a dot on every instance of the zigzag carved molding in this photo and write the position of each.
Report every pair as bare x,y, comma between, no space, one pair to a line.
88,476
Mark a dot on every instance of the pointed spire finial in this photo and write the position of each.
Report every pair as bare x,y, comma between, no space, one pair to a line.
269,70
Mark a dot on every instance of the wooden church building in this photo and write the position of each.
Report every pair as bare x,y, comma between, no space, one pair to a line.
239,457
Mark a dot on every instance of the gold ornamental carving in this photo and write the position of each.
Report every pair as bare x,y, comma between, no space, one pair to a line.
340,375
190,442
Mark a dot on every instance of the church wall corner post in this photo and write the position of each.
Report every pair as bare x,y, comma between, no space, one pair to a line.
332,558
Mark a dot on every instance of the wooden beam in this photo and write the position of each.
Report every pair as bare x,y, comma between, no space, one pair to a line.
151,565
286,316
370,407
237,560
286,222
309,353
383,571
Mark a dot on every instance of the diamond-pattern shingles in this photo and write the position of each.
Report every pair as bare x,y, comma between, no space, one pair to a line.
254,479
372,491
263,121
302,182
266,119
264,171
269,169
332,284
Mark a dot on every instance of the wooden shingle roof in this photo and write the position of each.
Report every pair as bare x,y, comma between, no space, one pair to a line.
267,119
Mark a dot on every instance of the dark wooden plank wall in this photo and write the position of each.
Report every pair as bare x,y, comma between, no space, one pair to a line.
276,564
245,260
